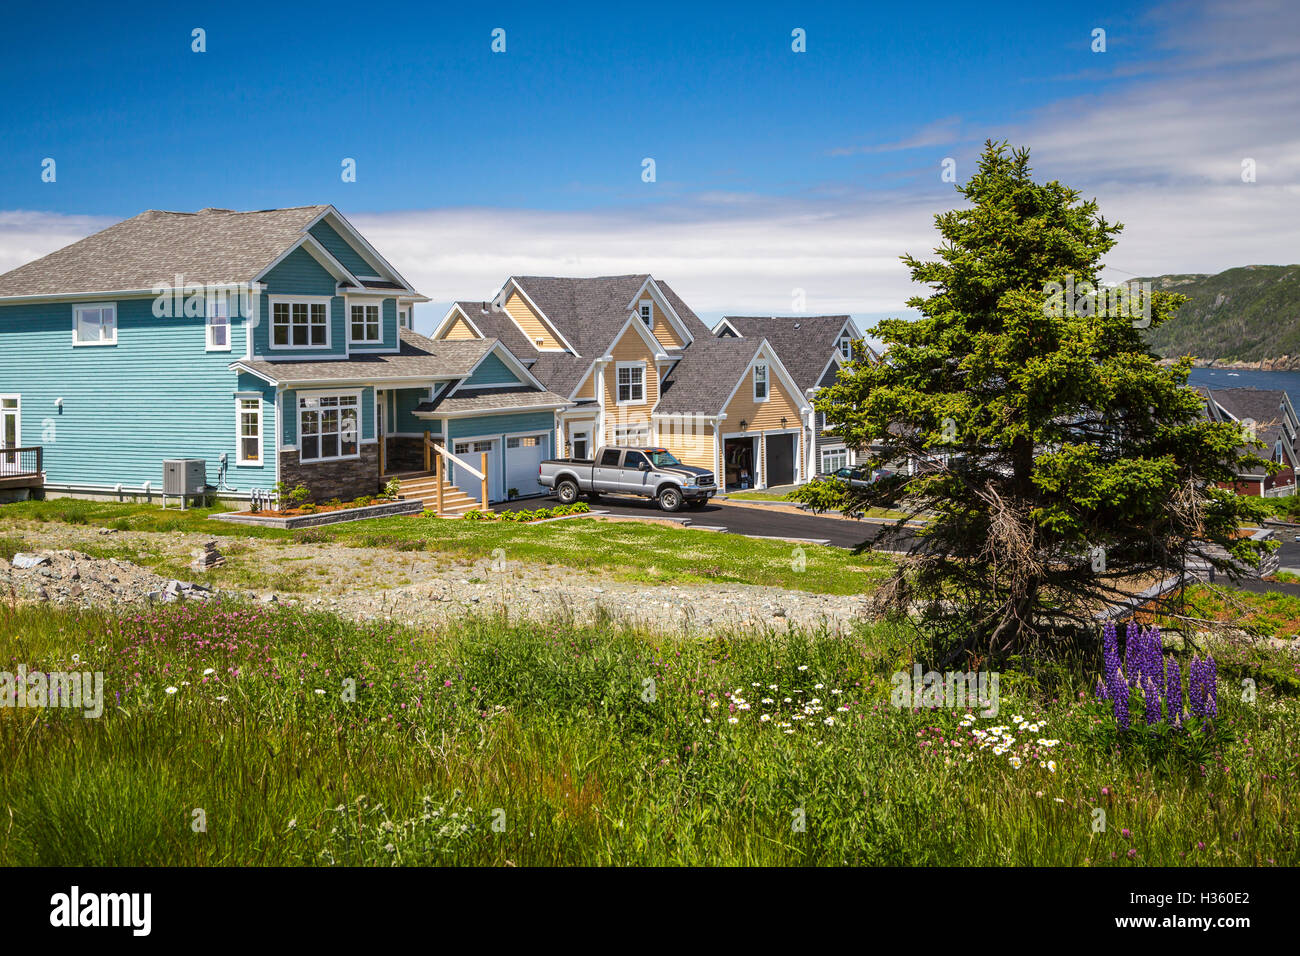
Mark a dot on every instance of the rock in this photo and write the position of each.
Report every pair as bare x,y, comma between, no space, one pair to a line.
25,561
779,612
269,599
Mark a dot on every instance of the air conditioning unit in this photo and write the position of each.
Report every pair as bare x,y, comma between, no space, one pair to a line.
184,476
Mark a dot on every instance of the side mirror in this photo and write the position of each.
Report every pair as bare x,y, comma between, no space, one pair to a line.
644,466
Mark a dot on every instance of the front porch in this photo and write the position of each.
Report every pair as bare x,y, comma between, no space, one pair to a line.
430,486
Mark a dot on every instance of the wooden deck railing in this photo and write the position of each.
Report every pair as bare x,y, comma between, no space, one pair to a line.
436,459
21,462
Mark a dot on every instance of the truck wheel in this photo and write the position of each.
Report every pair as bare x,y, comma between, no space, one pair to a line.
670,499
567,492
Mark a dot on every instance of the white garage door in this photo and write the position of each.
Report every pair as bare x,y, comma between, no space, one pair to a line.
523,454
472,453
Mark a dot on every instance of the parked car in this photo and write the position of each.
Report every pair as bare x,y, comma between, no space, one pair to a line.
853,477
646,472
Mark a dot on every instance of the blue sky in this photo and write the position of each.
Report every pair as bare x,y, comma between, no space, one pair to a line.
471,162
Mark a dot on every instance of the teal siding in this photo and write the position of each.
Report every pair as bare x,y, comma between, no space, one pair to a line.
156,394
491,425
492,371
387,327
289,401
341,250
401,408
300,274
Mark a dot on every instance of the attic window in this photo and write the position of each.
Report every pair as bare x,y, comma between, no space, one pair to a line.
846,347
760,383
539,342
647,314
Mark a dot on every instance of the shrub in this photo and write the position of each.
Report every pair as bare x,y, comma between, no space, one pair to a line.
393,487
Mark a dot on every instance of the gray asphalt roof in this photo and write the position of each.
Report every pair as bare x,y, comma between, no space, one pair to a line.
805,343
419,357
706,376
482,399
208,246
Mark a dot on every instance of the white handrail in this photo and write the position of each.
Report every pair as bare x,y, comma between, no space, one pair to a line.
441,450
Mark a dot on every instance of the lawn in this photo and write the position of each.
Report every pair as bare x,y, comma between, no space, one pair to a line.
228,738
633,551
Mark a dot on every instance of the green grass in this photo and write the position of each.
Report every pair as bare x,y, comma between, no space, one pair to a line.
633,551
592,746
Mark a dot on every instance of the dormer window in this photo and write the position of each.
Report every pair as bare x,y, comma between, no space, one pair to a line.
647,314
365,323
404,318
760,383
846,347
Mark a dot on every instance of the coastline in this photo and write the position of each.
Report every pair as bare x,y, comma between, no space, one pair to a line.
1283,363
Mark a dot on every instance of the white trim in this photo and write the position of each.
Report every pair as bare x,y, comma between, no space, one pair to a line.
506,410
208,326
379,320
366,247
509,360
675,320
766,379
291,300
647,320
240,460
18,418
720,323
774,362
445,324
91,306
618,367
328,393
536,311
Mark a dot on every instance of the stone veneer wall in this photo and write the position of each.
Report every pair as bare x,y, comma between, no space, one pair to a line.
334,479
405,454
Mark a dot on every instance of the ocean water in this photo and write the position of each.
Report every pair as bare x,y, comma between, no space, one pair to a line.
1288,382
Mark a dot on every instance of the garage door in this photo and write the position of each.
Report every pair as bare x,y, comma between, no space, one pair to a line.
523,454
472,452
780,459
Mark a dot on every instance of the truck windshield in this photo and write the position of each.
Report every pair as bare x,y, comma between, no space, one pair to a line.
662,459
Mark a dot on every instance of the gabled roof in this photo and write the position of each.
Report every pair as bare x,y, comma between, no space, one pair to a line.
806,343
1269,408
208,247
478,400
419,359
709,373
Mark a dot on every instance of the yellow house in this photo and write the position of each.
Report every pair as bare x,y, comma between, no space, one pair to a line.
641,368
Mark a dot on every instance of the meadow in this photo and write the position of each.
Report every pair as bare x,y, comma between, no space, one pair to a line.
232,736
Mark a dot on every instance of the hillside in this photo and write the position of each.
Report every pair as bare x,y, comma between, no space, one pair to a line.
1248,314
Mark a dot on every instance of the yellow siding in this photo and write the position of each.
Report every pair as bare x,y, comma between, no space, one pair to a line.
459,330
762,416
662,328
630,348
588,389
531,323
691,442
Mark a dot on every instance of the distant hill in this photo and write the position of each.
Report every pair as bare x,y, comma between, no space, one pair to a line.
1249,314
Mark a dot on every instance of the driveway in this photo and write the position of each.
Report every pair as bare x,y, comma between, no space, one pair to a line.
754,520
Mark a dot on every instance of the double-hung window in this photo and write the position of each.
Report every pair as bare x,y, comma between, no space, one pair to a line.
834,459
631,383
760,383
94,324
218,325
647,315
846,347
365,323
300,325
328,427
249,423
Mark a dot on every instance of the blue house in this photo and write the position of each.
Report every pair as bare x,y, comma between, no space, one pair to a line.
276,345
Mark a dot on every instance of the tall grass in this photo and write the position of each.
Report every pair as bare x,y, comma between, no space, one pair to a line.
531,744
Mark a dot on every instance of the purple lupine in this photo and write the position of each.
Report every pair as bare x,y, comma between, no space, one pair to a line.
1153,664
1099,691
1151,701
1196,687
1119,703
1210,686
1130,653
1174,693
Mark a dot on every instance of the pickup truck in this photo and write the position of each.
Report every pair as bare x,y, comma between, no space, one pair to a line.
644,471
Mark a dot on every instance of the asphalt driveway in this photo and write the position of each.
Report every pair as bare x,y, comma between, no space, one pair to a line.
753,520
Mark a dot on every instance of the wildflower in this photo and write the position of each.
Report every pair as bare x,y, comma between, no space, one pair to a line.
1015,762
318,691
733,720
171,690
829,721
208,671
1051,766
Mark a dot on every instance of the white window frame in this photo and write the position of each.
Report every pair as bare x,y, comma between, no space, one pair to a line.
17,399
846,346
622,436
219,304
404,318
318,395
92,307
240,460
839,453
647,317
765,378
291,301
379,323
618,367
